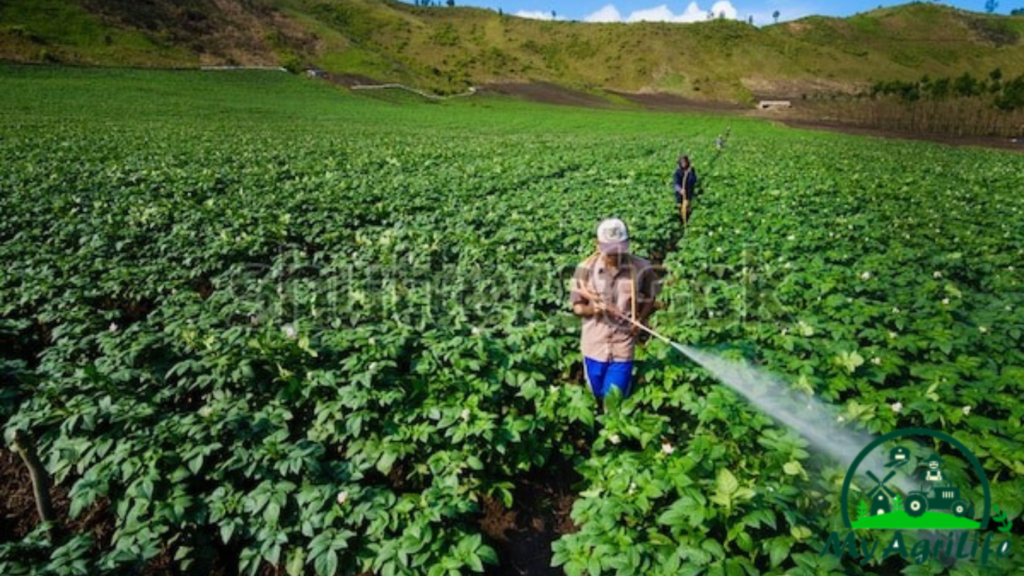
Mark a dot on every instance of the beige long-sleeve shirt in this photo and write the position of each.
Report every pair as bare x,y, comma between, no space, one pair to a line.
604,337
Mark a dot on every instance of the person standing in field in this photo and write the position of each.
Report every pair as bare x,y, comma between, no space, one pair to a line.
685,182
608,289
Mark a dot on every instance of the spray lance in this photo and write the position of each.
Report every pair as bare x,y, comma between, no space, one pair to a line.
799,411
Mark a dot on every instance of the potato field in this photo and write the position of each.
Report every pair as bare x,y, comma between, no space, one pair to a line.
257,324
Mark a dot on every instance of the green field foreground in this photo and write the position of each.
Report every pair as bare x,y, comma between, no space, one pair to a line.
256,320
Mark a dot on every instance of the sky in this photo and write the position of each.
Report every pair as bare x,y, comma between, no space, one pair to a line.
696,10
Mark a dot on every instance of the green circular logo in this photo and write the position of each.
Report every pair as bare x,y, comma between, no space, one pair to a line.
919,502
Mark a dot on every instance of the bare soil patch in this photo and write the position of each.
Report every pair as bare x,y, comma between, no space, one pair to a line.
18,506
540,514
350,80
664,102
546,93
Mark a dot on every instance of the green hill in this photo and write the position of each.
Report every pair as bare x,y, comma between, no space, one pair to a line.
447,49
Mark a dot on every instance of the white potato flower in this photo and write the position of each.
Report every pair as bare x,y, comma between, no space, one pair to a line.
289,331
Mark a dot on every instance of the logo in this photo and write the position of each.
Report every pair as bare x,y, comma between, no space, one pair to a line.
910,489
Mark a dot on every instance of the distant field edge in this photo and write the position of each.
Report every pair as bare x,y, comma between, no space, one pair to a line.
545,93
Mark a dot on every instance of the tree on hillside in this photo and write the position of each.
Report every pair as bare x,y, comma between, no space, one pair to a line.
1017,12
451,3
966,86
991,5
995,80
940,88
776,16
1012,97
750,20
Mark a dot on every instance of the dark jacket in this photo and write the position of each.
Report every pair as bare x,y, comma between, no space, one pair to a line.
684,183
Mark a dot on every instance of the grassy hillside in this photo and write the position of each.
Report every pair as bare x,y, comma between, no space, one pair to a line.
447,49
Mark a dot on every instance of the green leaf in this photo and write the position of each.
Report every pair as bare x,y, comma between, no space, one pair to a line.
714,548
745,541
387,460
327,564
296,561
488,555
272,512
474,562
778,549
745,494
793,468
850,360
726,482
723,500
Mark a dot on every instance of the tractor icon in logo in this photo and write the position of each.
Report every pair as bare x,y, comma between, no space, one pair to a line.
942,498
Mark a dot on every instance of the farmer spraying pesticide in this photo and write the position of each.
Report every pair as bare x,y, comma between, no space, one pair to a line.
684,181
613,292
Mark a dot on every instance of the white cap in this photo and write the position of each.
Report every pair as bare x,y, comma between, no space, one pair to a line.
613,236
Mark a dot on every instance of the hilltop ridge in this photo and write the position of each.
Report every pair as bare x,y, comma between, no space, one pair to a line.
446,49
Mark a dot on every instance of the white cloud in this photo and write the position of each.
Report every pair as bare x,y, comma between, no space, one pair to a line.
536,15
724,8
607,14
658,14
662,13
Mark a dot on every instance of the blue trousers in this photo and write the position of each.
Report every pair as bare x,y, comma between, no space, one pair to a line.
602,376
